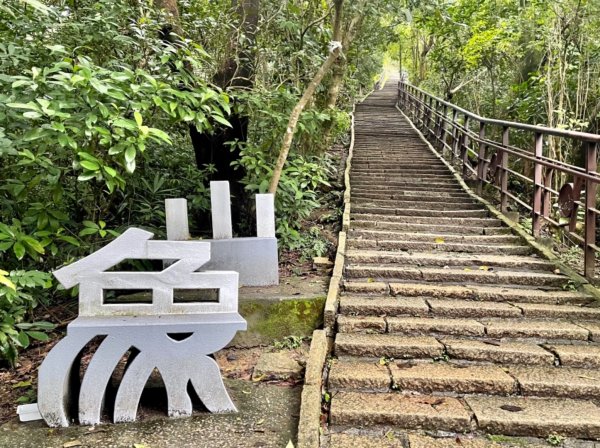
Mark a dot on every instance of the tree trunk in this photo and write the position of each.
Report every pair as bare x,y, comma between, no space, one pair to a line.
295,116
237,71
310,91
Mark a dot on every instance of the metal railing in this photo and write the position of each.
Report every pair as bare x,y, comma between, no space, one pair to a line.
528,178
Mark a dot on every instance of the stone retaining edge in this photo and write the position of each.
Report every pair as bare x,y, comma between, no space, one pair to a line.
309,424
515,227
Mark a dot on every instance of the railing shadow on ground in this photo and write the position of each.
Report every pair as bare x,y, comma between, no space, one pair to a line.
521,162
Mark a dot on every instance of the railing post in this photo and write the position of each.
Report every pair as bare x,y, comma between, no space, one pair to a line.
536,217
465,147
455,134
591,165
503,172
443,135
481,159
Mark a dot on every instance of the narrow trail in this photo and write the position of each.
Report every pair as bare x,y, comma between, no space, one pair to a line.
447,322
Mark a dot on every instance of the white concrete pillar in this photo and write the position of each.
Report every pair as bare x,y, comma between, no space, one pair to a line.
265,215
176,212
220,204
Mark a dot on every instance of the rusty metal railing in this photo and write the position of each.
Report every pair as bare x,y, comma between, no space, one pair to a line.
520,161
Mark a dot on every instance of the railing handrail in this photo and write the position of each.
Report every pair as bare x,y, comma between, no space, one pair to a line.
450,129
565,133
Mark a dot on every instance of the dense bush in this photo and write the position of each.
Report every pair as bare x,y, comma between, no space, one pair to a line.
88,96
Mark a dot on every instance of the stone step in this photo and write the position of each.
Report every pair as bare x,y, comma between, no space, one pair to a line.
409,245
524,416
410,196
470,222
422,412
463,379
540,330
423,377
556,381
447,259
377,346
455,275
405,171
423,306
414,205
420,212
489,293
428,228
433,237
389,306
586,356
500,352
420,179
409,185
387,345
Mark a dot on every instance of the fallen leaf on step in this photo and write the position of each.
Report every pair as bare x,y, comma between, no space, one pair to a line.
484,268
370,280
71,444
140,445
588,377
467,269
557,271
439,241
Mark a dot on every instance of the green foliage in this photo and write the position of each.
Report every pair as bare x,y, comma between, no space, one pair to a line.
289,343
94,109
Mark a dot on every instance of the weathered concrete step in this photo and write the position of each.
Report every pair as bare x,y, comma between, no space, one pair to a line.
422,179
430,163
464,379
586,355
420,212
354,243
377,346
359,168
426,205
537,310
437,238
500,352
378,306
414,440
475,292
536,329
423,412
556,381
455,275
523,416
424,377
384,218
447,259
543,330
411,196
387,345
414,186
428,228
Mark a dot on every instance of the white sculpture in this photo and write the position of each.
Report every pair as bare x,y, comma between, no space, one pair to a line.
175,338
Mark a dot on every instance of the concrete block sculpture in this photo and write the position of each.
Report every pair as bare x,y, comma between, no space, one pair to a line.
175,337
254,258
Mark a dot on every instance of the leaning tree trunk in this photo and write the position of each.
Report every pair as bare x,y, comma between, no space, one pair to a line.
310,91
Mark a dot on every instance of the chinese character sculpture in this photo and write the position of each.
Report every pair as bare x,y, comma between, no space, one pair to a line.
174,337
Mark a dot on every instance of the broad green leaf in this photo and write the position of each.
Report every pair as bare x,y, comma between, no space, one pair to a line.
19,250
130,154
89,165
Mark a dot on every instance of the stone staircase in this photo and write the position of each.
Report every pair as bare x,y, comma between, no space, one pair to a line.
448,323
